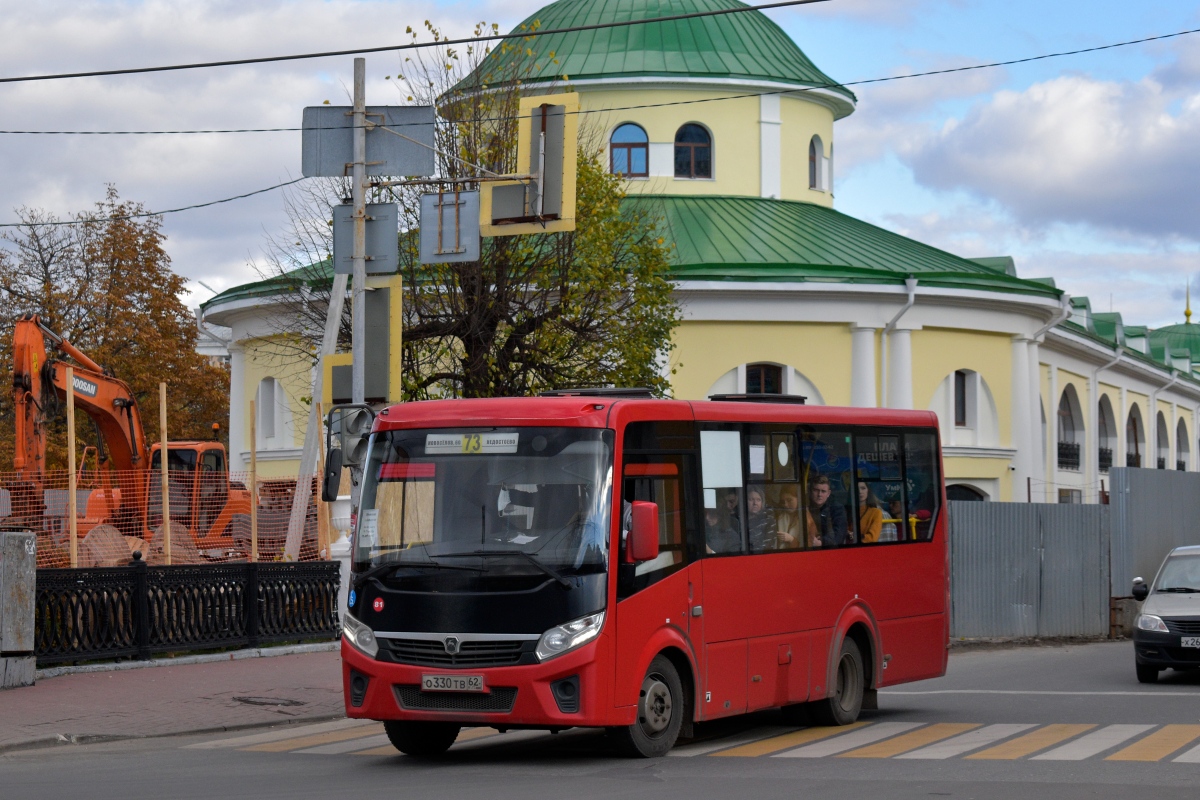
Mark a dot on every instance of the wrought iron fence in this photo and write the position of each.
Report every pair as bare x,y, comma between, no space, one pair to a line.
1106,459
1162,462
1068,455
139,611
1181,465
1133,459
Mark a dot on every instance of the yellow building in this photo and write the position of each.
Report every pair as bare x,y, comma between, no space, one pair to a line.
725,128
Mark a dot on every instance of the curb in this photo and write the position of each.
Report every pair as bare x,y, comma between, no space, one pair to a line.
207,658
102,738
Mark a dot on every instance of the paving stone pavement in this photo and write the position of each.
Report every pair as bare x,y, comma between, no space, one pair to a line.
173,699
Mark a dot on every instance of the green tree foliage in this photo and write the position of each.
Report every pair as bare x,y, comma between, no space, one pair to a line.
106,285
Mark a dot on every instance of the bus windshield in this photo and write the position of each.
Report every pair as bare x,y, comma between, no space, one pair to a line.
517,500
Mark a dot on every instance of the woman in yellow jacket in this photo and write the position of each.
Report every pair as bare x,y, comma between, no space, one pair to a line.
870,515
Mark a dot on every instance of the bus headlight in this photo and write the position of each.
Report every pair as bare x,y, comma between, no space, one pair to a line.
1149,622
566,637
359,635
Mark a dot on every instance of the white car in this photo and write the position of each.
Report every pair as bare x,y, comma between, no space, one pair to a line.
1167,632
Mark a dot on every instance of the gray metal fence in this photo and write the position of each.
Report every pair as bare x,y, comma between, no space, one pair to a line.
1153,511
1029,569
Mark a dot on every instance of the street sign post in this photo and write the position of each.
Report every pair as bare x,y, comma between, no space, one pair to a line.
405,148
449,227
382,247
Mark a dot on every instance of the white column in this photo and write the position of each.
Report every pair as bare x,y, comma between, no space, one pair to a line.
237,407
1052,437
1022,420
770,146
900,369
1172,428
862,371
1037,443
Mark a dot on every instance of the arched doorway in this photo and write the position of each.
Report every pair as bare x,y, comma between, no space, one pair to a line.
1106,436
1070,431
1135,438
1162,442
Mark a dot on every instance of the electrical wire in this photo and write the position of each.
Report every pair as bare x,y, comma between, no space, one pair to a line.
796,90
87,220
412,46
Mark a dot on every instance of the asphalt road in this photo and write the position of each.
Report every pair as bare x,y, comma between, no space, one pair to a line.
1057,722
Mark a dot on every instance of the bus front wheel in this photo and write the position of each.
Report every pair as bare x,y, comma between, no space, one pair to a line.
660,711
421,738
846,703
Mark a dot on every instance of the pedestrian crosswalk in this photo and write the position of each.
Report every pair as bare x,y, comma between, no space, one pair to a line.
865,739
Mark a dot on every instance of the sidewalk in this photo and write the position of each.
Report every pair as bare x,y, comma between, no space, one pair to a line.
172,699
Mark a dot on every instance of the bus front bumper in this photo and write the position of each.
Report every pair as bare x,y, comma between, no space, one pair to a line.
532,695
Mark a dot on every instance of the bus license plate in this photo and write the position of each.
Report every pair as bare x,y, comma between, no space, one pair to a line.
452,683
1190,641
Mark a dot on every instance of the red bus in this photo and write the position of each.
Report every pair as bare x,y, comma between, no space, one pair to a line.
640,565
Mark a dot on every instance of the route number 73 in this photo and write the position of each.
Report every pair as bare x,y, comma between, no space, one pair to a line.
472,443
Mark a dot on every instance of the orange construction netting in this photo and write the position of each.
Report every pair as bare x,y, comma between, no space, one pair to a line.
119,513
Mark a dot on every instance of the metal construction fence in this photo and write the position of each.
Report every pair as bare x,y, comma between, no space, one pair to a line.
1029,569
1154,511
139,611
119,513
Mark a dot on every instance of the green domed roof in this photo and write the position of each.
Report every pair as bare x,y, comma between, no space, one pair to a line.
743,46
1176,338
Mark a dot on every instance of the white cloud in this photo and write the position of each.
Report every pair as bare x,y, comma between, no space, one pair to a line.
65,174
1120,156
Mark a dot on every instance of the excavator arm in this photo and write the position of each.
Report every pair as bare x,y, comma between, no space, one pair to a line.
40,379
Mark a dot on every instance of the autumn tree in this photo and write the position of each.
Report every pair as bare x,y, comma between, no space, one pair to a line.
104,281
592,307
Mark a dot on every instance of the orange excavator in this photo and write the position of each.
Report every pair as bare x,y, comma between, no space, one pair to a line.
126,488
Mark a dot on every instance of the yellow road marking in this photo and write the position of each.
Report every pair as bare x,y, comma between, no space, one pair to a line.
302,742
788,740
911,741
1158,745
465,736
1031,742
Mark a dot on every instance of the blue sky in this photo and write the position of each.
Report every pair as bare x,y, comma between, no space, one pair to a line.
1082,167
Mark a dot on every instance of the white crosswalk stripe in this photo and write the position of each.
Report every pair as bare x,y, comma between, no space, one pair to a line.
858,738
713,745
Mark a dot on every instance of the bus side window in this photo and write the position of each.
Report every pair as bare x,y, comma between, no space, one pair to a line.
724,509
659,480
923,484
880,487
831,507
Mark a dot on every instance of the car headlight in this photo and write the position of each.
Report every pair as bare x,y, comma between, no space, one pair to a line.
566,637
359,635
1149,622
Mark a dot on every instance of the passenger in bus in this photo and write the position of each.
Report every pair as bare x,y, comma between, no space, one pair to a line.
870,515
718,536
759,522
787,518
826,519
733,502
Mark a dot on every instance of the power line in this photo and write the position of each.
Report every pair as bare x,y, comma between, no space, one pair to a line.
412,46
87,220
797,90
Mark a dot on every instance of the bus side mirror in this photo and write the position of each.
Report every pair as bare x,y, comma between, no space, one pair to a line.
643,533
333,475
1140,590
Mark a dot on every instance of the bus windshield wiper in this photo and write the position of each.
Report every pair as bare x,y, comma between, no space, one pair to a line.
379,570
566,584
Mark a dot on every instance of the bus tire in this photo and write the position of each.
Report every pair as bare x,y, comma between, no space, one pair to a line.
422,739
846,703
660,711
1146,673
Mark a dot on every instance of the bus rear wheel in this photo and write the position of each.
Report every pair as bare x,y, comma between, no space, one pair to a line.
846,703
421,738
660,711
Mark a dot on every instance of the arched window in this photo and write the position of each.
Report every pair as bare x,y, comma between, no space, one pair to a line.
1182,448
693,152
1106,435
1163,441
818,165
629,151
1070,430
1135,438
273,426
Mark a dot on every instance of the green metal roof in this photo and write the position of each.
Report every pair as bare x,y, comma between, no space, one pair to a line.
317,274
757,239
1176,339
746,45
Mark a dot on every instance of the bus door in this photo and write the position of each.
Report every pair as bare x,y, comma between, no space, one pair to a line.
657,594
756,635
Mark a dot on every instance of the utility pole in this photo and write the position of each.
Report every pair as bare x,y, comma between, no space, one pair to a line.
359,198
